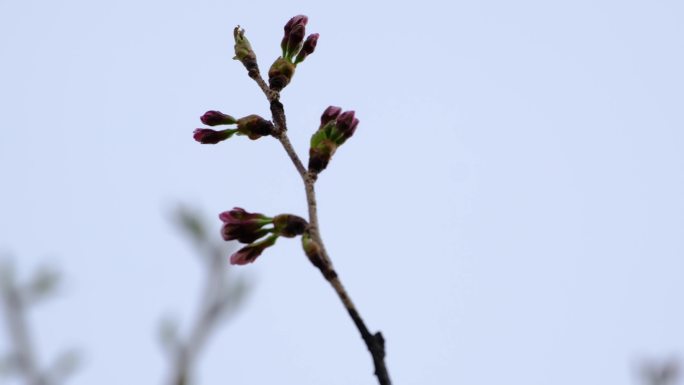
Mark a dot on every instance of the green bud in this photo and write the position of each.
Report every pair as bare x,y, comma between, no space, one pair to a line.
312,250
280,74
243,50
254,126
320,155
289,225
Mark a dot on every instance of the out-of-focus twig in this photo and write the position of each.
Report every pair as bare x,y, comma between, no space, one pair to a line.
220,298
660,373
16,299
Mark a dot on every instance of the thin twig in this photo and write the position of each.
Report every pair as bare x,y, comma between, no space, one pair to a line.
17,327
187,351
217,301
374,342
285,141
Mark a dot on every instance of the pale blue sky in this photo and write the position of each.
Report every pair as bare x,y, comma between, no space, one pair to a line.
510,210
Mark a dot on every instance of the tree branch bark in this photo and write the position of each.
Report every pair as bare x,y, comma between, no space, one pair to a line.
374,342
17,327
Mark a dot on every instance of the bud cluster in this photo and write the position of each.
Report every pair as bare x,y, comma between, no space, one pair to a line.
336,127
257,231
252,126
294,50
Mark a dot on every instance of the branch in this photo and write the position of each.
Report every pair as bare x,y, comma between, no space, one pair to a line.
374,342
217,300
18,330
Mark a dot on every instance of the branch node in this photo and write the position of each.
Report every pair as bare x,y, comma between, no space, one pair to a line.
380,341
311,177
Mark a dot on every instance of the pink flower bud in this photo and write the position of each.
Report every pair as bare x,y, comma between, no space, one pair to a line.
331,113
296,20
346,131
244,226
294,43
209,136
307,48
215,118
296,23
238,214
249,253
345,120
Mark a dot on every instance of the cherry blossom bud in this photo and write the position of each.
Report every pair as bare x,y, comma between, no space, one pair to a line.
296,20
344,121
215,118
244,226
238,214
280,74
336,127
289,225
244,52
296,23
346,126
320,155
254,126
294,43
331,113
209,136
250,252
307,48
312,250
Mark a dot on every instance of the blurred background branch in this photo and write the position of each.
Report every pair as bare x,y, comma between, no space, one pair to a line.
664,372
220,298
21,360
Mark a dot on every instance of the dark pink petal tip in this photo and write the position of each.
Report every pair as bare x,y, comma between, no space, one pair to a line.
228,216
215,118
331,113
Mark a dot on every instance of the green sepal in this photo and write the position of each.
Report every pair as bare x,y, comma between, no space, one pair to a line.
317,137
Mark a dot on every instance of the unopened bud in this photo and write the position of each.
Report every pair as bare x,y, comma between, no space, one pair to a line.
346,126
312,250
320,155
331,113
307,48
344,121
254,126
250,252
243,51
280,74
209,136
293,24
244,226
289,225
294,43
215,118
336,127
296,20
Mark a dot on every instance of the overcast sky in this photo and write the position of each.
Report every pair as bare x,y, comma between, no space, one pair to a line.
510,210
